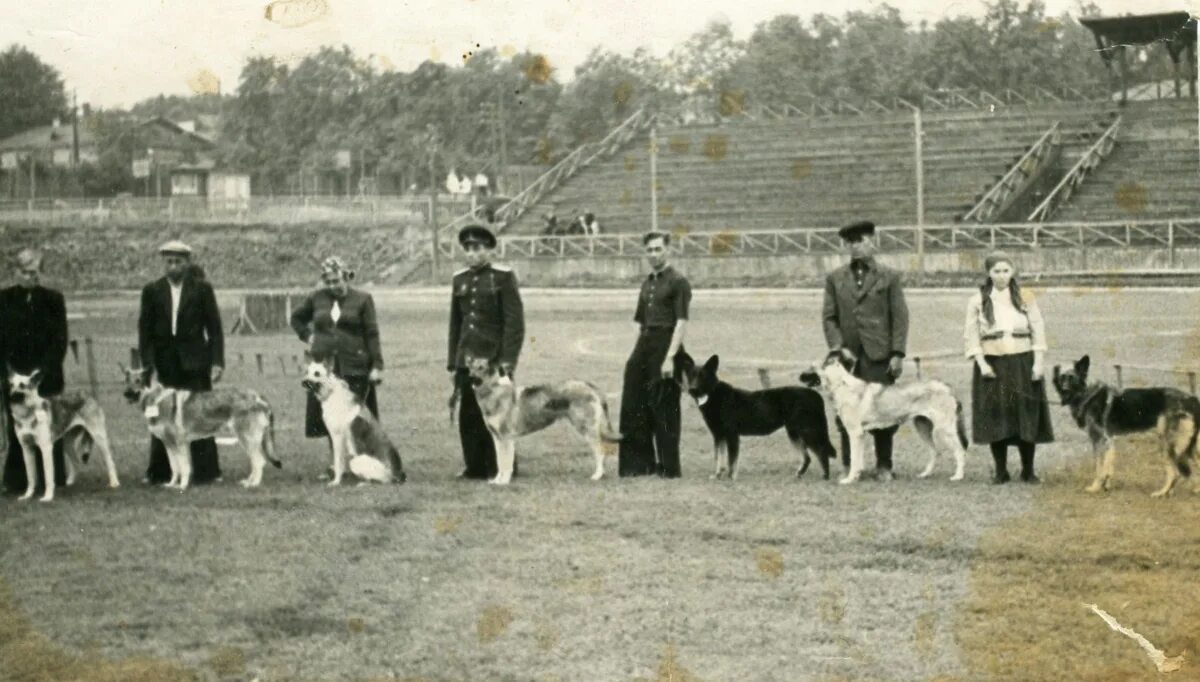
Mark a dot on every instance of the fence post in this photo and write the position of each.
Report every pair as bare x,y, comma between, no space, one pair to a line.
90,354
258,358
917,362
764,377
1120,379
1192,382
1171,246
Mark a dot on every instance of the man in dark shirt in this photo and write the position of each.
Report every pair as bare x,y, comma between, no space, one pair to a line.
487,320
34,323
866,321
650,418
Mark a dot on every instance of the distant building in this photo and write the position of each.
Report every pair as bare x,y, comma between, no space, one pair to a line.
53,144
221,189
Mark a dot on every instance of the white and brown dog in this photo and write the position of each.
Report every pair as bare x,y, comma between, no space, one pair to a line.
179,417
865,406
40,422
359,442
512,411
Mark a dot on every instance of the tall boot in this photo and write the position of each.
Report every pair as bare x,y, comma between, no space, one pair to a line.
1027,450
1000,457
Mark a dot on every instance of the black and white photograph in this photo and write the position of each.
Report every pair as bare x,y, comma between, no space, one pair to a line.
599,340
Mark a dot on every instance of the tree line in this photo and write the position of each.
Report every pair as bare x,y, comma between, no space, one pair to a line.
288,119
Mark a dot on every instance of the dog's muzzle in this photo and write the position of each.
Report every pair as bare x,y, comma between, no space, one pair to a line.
132,395
810,378
16,397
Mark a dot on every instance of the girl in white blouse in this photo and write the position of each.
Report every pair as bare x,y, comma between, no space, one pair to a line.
1006,338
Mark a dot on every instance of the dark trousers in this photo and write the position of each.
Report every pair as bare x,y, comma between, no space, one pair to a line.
875,371
650,417
479,450
205,465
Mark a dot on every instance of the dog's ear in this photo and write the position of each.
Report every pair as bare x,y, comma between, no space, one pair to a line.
124,369
35,378
712,364
1081,367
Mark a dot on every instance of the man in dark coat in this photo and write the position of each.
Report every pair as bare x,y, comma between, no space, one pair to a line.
180,339
487,320
33,335
866,321
650,419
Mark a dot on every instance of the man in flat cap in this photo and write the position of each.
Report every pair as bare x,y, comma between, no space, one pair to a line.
650,418
34,320
866,322
487,320
180,340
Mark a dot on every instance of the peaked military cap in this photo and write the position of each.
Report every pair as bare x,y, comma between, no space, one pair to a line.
855,230
477,234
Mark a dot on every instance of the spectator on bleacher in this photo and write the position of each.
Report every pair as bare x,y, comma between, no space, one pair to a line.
866,321
452,181
482,184
34,323
181,340
551,222
1006,338
591,226
339,324
650,417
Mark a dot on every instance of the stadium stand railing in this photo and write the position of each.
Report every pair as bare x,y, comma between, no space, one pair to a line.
1090,161
999,197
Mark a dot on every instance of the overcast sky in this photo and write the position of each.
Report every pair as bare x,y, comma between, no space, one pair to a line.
116,52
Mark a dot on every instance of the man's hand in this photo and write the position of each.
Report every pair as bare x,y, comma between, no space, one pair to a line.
507,368
896,366
216,373
453,378
375,376
1038,371
668,368
847,355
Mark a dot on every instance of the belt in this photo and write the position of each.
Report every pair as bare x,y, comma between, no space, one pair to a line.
992,336
657,330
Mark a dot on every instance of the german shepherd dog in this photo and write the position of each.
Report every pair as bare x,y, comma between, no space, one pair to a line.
358,440
1105,412
862,406
40,422
730,413
511,411
178,417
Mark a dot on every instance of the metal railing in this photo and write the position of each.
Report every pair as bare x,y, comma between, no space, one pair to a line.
356,210
1016,177
893,239
1090,160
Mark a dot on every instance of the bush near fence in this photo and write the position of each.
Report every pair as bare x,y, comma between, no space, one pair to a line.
242,256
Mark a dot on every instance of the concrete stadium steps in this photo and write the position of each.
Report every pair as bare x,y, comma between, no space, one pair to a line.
789,173
1153,172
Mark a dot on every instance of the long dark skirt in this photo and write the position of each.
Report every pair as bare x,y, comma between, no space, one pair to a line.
1012,405
314,424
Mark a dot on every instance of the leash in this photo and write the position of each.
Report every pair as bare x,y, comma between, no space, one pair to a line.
455,397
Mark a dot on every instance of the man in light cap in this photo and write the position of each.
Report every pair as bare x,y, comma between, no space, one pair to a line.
487,320
866,322
34,323
181,340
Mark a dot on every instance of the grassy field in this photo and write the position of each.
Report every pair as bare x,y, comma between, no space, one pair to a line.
558,578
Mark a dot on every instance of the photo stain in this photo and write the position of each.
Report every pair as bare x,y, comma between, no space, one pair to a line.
296,13
630,163
466,56
538,70
204,82
722,243
356,626
801,169
670,669
732,103
544,151
622,93
924,630
1130,197
493,623
547,637
716,146
769,561
445,525
831,606
666,210
626,197
679,144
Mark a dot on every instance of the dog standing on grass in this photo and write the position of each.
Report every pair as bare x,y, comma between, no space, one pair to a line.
512,411
40,422
179,417
731,413
358,440
1105,413
864,406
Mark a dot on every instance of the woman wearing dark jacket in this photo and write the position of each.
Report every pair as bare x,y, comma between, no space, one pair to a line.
339,324
1006,338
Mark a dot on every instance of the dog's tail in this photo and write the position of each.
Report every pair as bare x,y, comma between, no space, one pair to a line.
960,421
269,440
398,475
80,442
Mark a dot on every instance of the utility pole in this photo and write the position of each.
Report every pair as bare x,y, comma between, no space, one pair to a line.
654,177
74,129
431,146
502,171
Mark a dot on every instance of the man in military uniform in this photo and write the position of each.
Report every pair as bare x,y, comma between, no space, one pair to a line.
486,320
650,419
866,322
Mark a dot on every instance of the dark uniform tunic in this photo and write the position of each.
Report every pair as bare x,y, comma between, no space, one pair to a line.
650,418
487,320
33,327
865,313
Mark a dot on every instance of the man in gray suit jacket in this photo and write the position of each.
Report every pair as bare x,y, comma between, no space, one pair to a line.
866,322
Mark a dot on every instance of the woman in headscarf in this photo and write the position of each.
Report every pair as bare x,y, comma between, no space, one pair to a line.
1006,338
339,323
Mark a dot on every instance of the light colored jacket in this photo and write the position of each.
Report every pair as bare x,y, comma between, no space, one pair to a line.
1019,332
